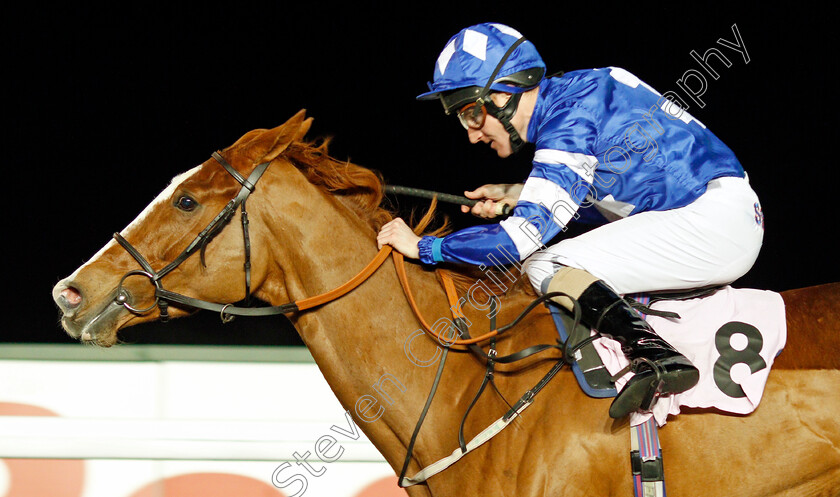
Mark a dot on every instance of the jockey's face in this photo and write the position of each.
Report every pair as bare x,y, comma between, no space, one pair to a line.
493,133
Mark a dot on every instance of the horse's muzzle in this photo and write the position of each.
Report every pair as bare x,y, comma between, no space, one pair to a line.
67,297
88,325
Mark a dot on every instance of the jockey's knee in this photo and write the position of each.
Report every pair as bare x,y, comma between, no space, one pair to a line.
539,270
570,281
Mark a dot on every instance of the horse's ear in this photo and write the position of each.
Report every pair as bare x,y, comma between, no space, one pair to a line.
264,145
274,141
304,128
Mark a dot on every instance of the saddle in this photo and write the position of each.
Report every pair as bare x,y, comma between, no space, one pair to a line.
592,375
732,336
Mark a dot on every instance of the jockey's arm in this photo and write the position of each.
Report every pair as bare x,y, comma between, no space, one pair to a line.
543,209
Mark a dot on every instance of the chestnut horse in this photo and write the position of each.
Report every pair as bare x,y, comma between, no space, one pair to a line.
313,225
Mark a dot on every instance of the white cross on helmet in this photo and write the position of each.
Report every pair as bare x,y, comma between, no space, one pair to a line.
473,56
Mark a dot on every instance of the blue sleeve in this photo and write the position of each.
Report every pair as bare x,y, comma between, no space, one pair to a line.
487,244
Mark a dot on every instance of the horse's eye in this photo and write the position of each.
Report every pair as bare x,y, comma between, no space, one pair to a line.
186,203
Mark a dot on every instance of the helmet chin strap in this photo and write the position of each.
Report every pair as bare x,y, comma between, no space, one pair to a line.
504,115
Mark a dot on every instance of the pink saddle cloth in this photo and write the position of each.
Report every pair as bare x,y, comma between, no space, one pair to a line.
732,337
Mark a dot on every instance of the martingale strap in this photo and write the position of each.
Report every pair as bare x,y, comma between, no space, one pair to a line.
526,400
485,435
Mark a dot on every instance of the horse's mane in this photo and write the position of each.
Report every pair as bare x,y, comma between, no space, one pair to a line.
361,187
363,190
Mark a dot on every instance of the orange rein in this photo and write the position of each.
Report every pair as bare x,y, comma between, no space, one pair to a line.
342,290
399,264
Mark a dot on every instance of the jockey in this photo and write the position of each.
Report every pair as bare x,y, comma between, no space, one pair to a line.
673,204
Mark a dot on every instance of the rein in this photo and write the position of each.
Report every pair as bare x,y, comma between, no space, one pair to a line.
165,297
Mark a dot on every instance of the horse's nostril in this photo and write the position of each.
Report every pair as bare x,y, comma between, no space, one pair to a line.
71,297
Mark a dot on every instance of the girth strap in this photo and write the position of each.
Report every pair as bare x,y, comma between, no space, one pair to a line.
646,460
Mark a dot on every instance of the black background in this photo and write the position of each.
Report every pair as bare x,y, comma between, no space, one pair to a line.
106,104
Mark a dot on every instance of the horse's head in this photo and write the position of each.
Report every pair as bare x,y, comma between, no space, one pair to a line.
168,244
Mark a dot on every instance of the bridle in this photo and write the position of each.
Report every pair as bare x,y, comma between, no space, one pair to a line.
164,297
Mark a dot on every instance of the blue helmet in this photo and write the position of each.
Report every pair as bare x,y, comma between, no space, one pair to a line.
483,58
476,55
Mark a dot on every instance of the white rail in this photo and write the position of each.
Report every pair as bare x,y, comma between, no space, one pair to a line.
198,440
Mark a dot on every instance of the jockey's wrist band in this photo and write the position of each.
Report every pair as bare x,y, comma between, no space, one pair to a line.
429,248
436,255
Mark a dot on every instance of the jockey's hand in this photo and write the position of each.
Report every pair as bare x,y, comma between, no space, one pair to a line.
398,235
490,197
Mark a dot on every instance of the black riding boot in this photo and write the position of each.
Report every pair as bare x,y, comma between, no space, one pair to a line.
659,369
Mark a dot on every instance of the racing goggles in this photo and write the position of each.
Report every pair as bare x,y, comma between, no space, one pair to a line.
472,115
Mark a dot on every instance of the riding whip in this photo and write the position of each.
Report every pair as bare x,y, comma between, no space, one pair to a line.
501,209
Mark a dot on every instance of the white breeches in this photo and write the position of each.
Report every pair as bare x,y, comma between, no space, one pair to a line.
714,240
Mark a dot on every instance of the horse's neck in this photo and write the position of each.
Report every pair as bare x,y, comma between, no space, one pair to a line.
359,340
322,246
